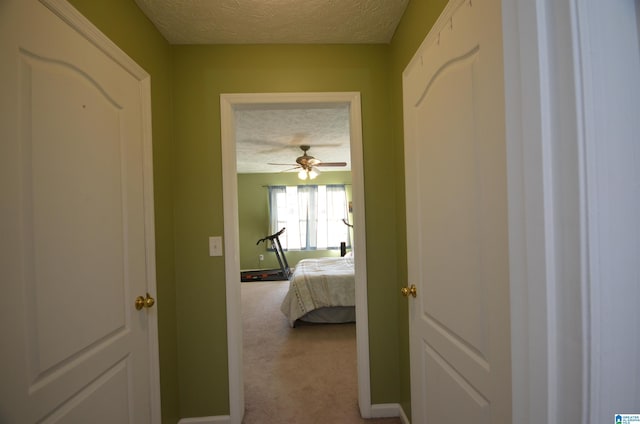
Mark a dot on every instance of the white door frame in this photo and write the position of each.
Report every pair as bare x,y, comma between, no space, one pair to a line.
566,132
228,103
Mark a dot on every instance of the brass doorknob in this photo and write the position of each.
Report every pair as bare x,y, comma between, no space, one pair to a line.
144,302
406,291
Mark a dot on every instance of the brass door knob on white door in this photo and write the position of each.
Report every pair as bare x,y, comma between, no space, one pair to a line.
406,291
144,302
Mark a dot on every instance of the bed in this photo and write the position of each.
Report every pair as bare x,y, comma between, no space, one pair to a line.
321,291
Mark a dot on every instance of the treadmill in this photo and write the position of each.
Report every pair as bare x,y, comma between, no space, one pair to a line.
270,274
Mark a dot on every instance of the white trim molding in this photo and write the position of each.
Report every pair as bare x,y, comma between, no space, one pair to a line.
533,85
607,56
226,419
385,410
228,103
572,83
388,410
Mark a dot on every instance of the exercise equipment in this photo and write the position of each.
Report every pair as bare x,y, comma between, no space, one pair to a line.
270,274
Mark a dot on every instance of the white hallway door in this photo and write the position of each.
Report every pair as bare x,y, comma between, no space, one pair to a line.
77,224
457,219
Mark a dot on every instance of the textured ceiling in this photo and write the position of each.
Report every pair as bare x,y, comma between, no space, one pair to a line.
274,133
275,21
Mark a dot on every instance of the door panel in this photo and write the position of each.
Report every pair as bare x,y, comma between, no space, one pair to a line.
105,400
75,348
72,179
456,217
450,234
444,381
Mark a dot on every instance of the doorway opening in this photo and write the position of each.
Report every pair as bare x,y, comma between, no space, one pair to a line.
230,104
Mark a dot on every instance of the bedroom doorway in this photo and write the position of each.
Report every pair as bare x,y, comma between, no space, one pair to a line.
230,104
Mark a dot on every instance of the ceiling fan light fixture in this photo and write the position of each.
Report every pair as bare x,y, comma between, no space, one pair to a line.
307,165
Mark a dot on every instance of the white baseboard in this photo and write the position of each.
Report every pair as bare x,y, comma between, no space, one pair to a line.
382,410
206,420
403,417
386,410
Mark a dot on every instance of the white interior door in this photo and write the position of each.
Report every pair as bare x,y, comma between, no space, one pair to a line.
75,232
457,220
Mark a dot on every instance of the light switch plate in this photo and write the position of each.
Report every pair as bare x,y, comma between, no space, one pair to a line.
215,246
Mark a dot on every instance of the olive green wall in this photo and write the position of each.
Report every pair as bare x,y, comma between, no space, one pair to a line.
416,22
201,74
123,22
253,216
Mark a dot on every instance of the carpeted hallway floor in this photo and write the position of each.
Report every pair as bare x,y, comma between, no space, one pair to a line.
302,375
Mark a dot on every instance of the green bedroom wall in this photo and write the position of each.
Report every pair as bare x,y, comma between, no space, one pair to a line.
186,82
124,23
201,74
416,22
253,216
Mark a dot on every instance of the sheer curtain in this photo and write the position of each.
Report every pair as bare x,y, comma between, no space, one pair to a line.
337,210
308,216
312,215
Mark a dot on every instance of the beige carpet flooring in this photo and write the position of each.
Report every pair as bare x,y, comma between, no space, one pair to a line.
302,375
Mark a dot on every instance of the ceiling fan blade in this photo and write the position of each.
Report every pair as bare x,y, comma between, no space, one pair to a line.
331,164
263,145
284,164
296,141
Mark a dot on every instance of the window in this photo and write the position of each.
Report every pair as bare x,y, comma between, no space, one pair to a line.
312,215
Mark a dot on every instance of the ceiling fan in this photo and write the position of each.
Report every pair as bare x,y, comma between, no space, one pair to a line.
307,164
